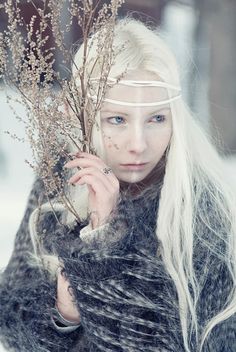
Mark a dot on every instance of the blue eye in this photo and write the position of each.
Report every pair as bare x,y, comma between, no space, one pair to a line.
158,118
116,120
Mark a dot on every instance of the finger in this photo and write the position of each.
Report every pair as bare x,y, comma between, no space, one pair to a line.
107,183
87,155
84,162
96,185
65,300
99,165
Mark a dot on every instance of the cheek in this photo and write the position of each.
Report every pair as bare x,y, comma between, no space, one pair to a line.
165,140
112,141
110,150
160,138
107,140
109,145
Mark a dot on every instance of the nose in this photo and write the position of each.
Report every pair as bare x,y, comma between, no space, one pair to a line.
137,143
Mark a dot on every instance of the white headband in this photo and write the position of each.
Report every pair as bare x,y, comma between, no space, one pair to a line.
133,83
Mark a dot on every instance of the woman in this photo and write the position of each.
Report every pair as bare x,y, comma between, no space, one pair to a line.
152,268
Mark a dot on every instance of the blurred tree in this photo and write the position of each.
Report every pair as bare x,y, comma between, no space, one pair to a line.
223,71
147,8
217,28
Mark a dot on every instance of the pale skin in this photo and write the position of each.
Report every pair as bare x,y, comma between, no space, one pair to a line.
134,140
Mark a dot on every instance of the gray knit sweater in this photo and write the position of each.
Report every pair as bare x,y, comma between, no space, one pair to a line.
127,300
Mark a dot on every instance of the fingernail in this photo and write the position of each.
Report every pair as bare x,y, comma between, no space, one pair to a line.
70,184
79,155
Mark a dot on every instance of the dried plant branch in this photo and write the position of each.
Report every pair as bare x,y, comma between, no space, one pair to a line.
27,64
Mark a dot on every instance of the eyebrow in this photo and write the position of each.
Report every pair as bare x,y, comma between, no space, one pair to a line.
164,108
125,114
114,112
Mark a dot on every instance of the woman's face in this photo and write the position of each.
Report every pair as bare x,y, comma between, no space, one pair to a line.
135,138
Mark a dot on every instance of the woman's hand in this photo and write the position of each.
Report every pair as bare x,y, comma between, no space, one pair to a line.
65,300
103,185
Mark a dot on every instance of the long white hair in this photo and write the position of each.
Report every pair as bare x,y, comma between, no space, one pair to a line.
193,171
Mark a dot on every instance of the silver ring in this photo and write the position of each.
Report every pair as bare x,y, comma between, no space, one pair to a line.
107,170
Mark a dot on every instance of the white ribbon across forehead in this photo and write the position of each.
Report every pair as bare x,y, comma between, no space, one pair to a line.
171,91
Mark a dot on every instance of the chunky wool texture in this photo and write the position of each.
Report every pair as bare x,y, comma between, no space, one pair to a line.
127,300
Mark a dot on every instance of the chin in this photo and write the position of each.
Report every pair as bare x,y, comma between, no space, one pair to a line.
131,179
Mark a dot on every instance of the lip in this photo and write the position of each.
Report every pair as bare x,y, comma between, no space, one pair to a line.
137,166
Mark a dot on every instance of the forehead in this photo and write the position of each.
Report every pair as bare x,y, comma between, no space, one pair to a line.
136,89
136,94
139,89
141,75
139,92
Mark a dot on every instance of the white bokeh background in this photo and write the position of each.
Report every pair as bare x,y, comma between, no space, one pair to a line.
16,178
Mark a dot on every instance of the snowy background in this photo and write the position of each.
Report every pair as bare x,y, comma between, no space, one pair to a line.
15,181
